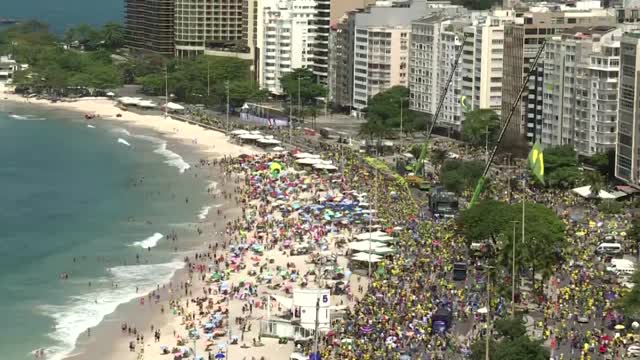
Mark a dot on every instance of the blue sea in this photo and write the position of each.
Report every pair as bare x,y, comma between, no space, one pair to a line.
86,199
62,14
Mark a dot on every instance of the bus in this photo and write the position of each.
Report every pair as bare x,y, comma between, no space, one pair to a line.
442,202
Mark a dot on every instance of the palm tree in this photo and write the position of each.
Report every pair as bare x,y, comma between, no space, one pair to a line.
595,181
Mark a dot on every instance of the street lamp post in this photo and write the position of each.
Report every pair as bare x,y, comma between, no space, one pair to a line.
226,83
513,270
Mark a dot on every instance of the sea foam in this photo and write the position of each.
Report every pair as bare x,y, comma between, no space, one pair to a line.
173,159
123,142
204,212
26,117
82,312
149,242
122,131
91,126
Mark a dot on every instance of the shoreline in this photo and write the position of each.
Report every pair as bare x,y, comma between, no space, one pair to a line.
205,142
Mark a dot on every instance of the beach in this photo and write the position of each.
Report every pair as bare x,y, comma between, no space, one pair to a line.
209,144
226,285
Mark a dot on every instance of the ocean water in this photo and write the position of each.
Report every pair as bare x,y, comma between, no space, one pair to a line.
88,200
62,14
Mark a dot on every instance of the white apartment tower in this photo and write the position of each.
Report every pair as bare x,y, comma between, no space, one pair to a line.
380,61
286,39
580,90
482,61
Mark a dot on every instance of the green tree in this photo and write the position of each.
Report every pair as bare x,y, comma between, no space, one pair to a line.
480,124
630,302
113,35
521,348
487,220
304,80
387,107
510,328
561,167
595,181
460,175
477,4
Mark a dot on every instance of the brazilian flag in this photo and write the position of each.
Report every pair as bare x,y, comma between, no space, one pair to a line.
275,169
536,162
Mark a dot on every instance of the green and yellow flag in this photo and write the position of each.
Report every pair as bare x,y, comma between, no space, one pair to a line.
536,162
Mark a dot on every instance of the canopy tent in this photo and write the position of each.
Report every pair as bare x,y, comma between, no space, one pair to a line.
147,104
585,192
302,155
250,137
278,148
174,107
324,166
382,238
366,257
370,235
309,161
111,94
364,245
239,132
268,141
125,100
383,250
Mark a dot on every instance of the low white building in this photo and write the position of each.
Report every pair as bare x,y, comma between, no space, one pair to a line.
8,67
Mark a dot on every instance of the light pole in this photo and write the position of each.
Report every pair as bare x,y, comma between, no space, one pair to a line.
226,83
208,78
513,270
166,90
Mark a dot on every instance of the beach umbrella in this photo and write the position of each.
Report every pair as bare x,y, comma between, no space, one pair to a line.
220,355
619,327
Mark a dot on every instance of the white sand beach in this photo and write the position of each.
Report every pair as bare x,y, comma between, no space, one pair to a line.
213,143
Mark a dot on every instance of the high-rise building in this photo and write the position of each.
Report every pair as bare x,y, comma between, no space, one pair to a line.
216,27
149,25
286,39
580,90
482,61
627,166
322,28
523,38
436,41
343,63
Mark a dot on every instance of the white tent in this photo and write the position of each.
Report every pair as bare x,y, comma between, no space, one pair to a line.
250,137
366,257
309,161
129,100
383,250
324,166
364,245
268,141
239,132
286,302
302,155
382,238
366,236
278,148
585,192
174,107
147,104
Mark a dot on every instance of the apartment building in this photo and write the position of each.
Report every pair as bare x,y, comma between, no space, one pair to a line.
482,61
215,27
523,38
580,90
322,29
628,145
286,39
149,25
436,41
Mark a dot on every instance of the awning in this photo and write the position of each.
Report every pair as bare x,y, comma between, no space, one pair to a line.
366,257
365,245
370,235
174,106
585,192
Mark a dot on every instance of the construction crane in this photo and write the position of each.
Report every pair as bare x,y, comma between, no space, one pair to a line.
514,106
423,151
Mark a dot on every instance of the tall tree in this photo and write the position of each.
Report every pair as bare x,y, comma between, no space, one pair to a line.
481,125
460,175
305,81
595,181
